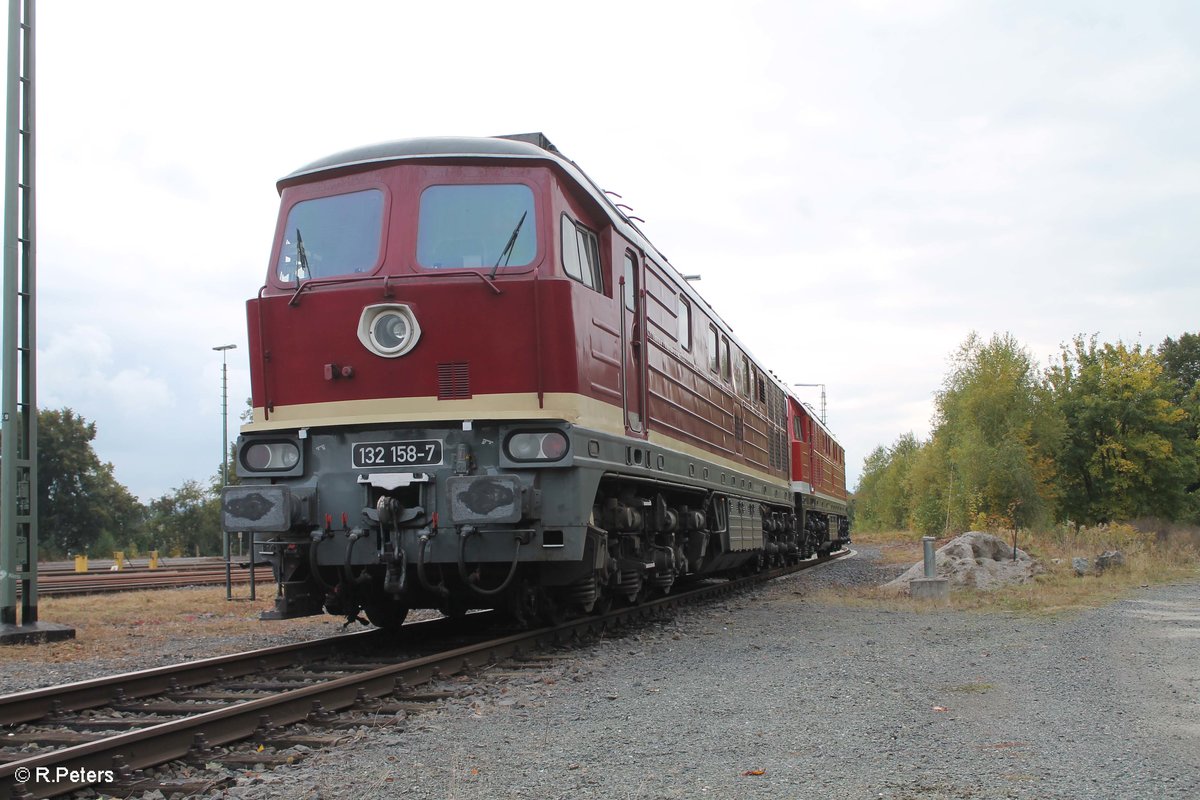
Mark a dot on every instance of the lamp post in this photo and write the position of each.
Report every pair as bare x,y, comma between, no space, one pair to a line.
224,350
225,412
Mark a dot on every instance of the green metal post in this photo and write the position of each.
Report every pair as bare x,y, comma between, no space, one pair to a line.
18,395
224,350
18,459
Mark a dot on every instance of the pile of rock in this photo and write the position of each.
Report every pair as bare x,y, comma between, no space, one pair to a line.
1109,559
975,559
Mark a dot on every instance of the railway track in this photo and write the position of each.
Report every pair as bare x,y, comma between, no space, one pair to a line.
66,583
104,731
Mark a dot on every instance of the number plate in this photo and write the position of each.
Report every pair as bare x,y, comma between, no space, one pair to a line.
414,453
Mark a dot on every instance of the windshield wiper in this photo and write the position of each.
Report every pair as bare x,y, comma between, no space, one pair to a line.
508,248
301,258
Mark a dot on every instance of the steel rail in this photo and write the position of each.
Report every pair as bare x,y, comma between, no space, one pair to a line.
167,741
96,583
36,704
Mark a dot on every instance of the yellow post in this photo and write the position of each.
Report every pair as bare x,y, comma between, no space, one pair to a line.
81,563
119,559
153,559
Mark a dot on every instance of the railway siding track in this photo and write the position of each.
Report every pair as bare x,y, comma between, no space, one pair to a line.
196,722
66,583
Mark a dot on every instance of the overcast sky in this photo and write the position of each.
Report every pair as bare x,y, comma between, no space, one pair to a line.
860,184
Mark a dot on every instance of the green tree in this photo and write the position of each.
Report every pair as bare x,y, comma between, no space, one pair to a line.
883,496
1127,451
867,514
79,498
988,463
186,521
1180,359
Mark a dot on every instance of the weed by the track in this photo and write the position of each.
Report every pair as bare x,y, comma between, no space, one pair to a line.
1153,555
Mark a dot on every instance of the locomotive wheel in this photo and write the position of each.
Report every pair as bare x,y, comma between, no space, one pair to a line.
522,603
604,601
387,613
550,610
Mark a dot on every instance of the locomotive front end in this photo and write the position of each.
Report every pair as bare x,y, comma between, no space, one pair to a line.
386,518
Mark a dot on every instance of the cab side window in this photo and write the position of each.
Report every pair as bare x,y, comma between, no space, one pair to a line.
581,254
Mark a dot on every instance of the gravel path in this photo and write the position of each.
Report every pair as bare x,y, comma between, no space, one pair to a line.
773,695
782,694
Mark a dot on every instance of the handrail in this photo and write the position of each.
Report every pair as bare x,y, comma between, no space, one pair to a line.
387,292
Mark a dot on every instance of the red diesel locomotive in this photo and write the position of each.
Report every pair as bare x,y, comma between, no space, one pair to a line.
477,384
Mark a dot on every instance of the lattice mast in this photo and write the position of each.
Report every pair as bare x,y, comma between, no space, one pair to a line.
18,448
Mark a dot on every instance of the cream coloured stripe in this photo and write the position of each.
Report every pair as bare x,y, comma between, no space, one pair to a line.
574,408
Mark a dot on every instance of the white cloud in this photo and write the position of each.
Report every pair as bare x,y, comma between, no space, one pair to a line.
78,363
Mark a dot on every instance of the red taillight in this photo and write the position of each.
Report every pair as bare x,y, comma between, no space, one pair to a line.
554,446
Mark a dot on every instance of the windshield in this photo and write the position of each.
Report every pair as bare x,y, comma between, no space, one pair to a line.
330,236
486,225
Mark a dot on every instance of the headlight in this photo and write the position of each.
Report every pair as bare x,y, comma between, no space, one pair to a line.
536,446
389,329
270,456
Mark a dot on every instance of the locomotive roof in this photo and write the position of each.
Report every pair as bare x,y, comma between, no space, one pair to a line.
515,146
427,147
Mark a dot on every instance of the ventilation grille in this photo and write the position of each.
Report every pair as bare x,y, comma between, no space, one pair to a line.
454,381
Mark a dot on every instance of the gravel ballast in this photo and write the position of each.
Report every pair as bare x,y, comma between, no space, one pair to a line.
776,695
785,693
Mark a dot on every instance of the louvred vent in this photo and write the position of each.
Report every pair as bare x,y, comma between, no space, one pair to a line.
454,381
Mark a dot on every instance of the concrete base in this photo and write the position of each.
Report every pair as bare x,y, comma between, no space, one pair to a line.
37,633
930,588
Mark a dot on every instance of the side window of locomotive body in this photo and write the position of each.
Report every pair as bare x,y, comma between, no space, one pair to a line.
726,364
798,429
683,317
714,355
743,376
581,254
330,236
476,225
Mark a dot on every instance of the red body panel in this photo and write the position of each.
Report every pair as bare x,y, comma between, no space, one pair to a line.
462,322
817,458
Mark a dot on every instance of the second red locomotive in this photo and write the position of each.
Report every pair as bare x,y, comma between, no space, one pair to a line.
477,384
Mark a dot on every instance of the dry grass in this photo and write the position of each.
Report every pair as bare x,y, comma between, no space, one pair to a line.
1154,555
124,623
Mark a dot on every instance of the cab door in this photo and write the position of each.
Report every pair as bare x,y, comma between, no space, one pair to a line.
633,346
